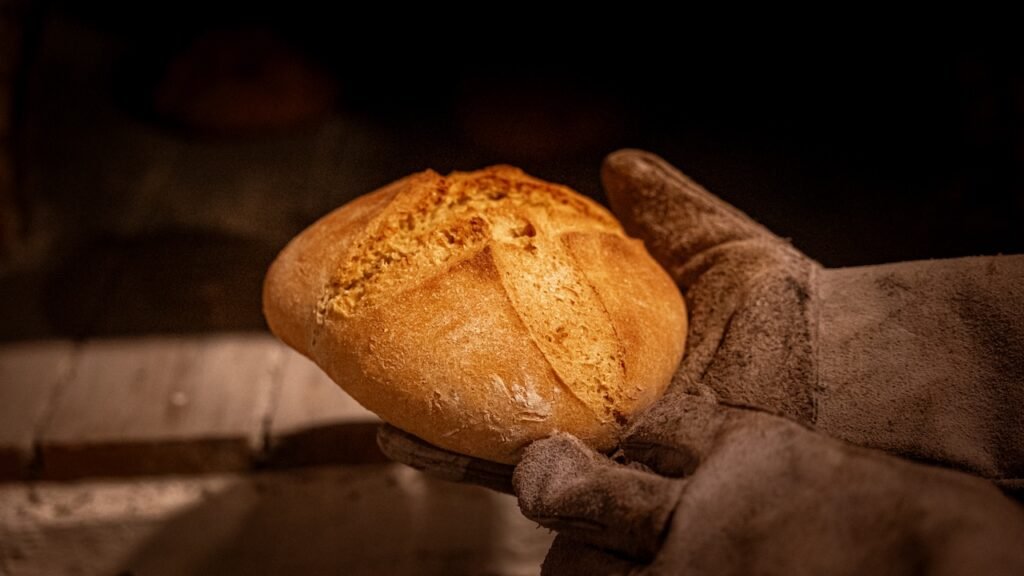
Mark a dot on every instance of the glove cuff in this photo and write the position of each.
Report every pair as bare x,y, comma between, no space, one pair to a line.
926,360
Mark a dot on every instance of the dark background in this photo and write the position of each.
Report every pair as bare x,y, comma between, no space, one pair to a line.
158,175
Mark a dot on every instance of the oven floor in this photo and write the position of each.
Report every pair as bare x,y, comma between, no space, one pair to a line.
371,519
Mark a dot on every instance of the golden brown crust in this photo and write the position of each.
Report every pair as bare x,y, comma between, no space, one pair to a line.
298,274
481,311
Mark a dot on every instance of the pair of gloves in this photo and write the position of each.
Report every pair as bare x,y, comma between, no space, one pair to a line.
823,421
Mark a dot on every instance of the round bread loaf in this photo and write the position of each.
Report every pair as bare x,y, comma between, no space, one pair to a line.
481,311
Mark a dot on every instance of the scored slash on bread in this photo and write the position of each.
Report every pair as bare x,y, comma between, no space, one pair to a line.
481,311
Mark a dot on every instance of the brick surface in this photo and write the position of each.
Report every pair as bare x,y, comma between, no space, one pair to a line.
30,372
315,422
161,404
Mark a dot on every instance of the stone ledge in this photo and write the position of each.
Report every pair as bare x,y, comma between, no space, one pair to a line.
172,405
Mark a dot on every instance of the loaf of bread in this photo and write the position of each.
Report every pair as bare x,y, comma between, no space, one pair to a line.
481,311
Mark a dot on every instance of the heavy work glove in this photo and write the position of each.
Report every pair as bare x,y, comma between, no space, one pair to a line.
762,495
921,359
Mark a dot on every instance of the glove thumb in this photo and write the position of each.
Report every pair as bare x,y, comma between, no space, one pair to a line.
675,217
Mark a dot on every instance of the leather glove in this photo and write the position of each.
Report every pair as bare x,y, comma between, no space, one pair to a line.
921,359
764,495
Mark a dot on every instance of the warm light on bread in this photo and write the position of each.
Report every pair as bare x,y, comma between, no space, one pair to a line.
481,311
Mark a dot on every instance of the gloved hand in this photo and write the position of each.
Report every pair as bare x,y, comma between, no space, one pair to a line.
921,359
763,495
